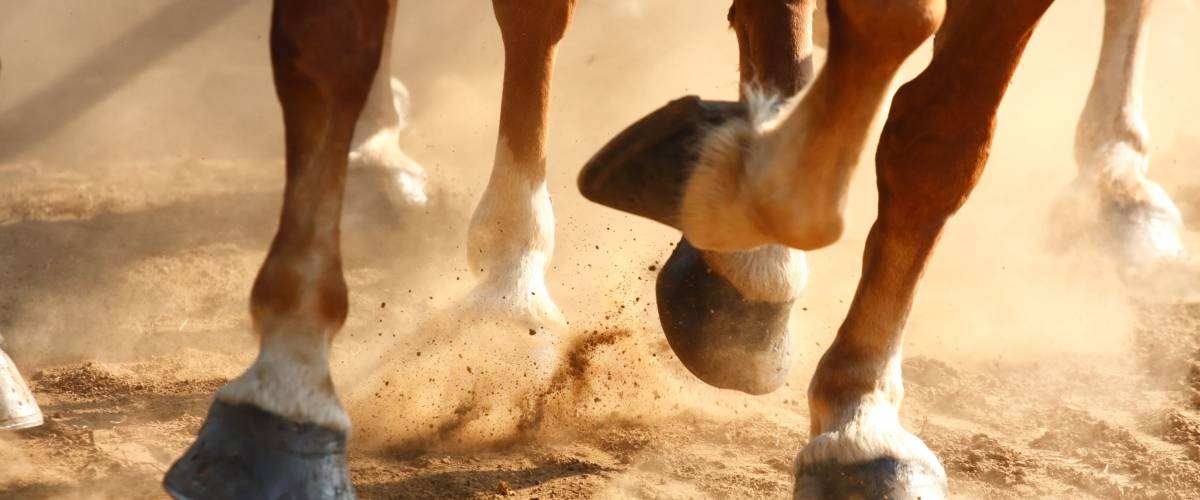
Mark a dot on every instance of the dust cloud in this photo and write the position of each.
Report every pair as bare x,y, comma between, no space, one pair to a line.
140,175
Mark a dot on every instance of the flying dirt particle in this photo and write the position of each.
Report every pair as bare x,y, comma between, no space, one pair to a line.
532,332
653,267
383,305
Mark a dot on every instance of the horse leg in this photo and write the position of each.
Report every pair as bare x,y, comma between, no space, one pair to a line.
380,172
511,236
781,175
932,151
279,430
775,44
725,314
753,164
775,171
1129,214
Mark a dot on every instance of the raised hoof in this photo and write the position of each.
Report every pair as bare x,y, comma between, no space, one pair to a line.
723,338
18,408
644,169
882,478
243,452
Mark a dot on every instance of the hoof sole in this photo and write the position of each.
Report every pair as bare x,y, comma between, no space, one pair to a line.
883,478
723,338
644,169
243,452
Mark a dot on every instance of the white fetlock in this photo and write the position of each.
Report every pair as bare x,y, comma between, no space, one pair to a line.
376,144
518,296
870,434
291,379
407,182
1157,224
862,435
871,431
509,246
770,273
1136,222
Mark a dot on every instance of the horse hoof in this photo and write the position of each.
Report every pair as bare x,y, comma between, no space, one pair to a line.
880,478
644,169
18,409
243,452
723,338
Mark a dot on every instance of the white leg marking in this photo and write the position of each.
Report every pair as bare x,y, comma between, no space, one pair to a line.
1112,197
510,243
870,429
376,144
1133,216
290,378
770,273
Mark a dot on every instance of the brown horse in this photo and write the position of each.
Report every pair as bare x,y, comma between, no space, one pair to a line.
749,184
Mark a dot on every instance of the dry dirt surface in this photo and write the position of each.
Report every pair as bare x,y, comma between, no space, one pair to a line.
140,179
1087,432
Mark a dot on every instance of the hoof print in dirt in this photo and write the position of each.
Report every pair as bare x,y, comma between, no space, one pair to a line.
243,452
643,170
882,478
723,338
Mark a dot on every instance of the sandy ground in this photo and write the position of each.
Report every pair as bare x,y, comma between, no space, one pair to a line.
140,177
1092,431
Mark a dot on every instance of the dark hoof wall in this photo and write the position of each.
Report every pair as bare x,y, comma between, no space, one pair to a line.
883,478
644,169
723,338
243,452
